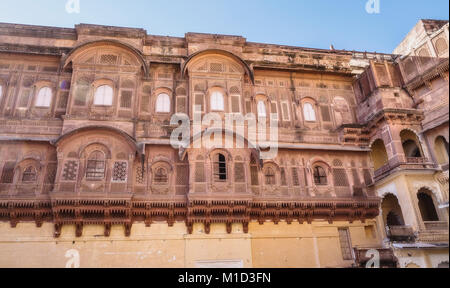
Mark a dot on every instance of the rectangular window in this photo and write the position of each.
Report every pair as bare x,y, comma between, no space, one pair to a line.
235,105
274,109
126,99
8,173
346,244
199,102
285,108
325,113
81,92
24,97
181,104
95,170
248,107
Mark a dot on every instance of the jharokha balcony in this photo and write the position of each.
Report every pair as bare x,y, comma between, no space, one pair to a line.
410,163
401,234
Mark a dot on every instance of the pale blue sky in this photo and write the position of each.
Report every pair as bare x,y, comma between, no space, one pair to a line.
312,23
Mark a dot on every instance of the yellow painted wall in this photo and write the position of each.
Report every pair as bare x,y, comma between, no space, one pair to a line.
268,245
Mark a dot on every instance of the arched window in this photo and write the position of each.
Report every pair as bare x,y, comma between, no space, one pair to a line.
320,176
104,96
217,102
309,112
379,154
29,175
96,166
161,176
442,150
163,103
393,220
44,97
411,149
220,168
426,206
262,109
411,144
270,176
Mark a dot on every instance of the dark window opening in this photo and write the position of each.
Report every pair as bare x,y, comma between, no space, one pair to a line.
320,176
411,149
220,168
394,220
427,208
270,177
161,176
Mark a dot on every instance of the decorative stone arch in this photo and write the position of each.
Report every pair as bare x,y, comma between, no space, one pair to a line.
320,162
86,150
271,165
391,204
155,166
428,205
230,55
409,138
128,139
78,50
24,164
217,164
378,153
441,149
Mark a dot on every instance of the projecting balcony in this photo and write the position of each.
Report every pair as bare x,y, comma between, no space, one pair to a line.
413,163
401,234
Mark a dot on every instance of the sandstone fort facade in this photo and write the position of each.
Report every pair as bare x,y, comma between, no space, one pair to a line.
87,165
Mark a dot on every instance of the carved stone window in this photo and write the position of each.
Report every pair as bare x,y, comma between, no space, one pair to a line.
126,97
96,165
261,109
309,113
295,179
270,176
104,96
70,171
163,103
140,175
217,101
220,168
8,173
120,171
283,177
161,176
239,172
29,175
320,176
254,173
44,97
